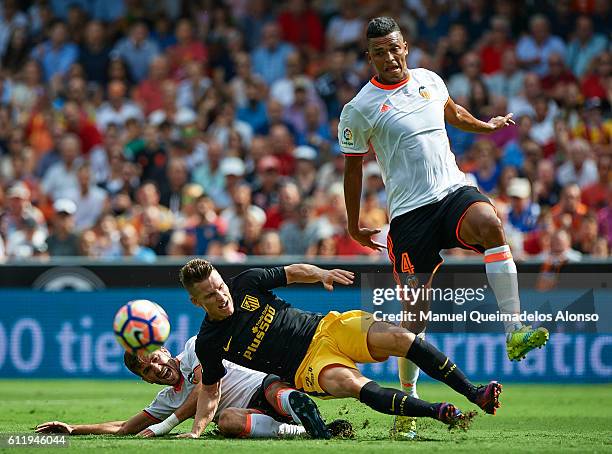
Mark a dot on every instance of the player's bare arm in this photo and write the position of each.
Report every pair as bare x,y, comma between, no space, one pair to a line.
185,411
132,426
303,273
208,402
459,117
353,176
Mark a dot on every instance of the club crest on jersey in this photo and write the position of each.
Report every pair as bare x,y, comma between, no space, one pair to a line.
385,107
250,303
347,138
192,377
424,92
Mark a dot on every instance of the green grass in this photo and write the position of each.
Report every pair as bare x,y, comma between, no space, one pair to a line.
535,418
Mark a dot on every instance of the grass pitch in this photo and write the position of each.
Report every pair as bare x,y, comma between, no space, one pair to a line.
534,418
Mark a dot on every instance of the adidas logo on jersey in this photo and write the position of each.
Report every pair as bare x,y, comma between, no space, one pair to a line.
385,107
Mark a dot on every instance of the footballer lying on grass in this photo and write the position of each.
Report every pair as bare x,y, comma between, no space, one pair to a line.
252,405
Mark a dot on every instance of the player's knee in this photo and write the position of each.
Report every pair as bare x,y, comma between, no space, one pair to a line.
231,423
387,340
415,327
339,384
271,385
399,342
351,386
491,231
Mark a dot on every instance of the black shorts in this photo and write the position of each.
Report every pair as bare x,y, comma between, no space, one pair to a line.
417,237
260,403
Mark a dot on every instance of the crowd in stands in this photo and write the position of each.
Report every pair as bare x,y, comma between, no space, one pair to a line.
141,128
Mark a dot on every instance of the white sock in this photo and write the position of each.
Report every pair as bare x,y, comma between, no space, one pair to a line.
409,374
502,275
264,426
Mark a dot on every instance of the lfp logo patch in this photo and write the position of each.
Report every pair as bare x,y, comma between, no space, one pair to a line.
250,303
424,92
347,138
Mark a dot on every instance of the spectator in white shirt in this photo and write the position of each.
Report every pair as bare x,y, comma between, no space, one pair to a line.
460,84
241,207
60,181
543,130
117,110
561,249
508,81
27,241
580,168
346,28
91,201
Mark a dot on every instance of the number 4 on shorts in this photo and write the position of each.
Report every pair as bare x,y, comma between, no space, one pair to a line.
407,264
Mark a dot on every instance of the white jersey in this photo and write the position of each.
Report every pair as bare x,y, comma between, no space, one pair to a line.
404,125
237,386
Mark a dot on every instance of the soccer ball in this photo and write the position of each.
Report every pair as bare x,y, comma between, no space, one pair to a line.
141,326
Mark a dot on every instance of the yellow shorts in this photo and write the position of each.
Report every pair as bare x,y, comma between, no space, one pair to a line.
340,338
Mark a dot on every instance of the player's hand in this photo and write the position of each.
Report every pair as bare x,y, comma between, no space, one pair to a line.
187,435
364,237
340,276
146,433
54,427
501,122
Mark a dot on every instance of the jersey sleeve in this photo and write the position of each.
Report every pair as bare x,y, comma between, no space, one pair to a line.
440,87
261,278
189,358
353,132
213,369
164,404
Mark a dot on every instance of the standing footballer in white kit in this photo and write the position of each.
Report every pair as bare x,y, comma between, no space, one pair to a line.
400,115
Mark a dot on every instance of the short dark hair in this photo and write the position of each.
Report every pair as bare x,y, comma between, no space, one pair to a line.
196,270
382,26
133,362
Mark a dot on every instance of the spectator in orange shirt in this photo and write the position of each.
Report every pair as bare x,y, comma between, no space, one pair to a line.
586,239
570,211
